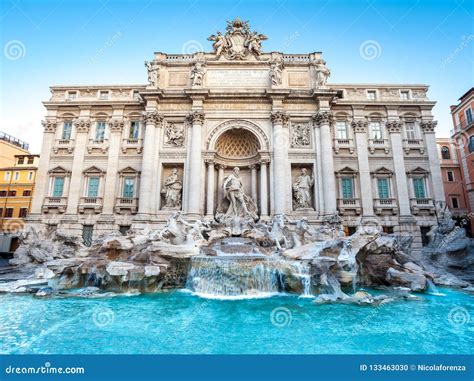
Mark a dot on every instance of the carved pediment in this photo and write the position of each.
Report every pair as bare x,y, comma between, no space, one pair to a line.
418,171
128,170
382,171
94,171
59,171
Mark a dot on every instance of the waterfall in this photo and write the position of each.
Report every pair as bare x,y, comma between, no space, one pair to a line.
432,289
244,276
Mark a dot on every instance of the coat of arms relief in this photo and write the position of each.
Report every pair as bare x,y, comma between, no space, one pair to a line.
238,42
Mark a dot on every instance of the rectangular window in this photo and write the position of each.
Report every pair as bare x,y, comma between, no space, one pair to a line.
16,176
136,95
23,212
27,193
1,212
383,188
104,95
405,95
347,187
30,175
134,130
67,130
58,186
341,130
454,202
71,95
128,187
375,130
87,231
419,187
12,193
9,212
471,144
93,187
450,175
100,132
3,193
31,160
410,130
371,95
469,115
7,175
21,160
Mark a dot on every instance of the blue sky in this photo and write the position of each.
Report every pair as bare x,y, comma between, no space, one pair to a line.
51,42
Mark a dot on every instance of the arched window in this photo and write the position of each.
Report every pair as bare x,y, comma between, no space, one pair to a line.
445,154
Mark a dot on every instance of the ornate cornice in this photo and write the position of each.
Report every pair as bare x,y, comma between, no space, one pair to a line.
428,127
280,117
195,117
323,117
393,126
82,125
153,117
49,125
359,125
115,125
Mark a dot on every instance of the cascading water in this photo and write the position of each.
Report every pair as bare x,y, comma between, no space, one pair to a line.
239,270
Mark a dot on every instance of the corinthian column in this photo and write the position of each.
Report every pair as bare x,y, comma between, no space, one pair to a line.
82,136
393,128
263,189
210,189
360,133
324,121
115,128
42,172
196,119
428,128
152,119
280,162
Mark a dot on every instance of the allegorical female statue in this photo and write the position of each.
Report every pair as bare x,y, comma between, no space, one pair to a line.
302,190
172,190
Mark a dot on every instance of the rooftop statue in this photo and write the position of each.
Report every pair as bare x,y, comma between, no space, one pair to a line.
238,42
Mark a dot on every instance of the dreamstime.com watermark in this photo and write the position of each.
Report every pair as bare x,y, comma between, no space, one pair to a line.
44,369
466,40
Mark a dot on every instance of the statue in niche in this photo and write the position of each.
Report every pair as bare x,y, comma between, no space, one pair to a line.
153,72
197,74
240,205
322,74
300,135
172,190
175,135
302,190
276,71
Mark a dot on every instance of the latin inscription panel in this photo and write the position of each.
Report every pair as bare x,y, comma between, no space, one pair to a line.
238,78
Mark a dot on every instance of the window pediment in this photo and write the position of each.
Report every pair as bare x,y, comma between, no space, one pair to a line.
59,171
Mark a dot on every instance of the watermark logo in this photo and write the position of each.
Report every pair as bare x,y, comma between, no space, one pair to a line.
458,316
102,317
14,50
370,50
466,40
191,47
281,317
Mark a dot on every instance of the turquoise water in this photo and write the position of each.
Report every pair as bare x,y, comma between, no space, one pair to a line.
179,322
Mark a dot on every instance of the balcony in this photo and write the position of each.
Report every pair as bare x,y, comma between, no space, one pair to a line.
351,205
54,203
378,144
63,145
101,146
125,204
347,144
413,144
382,205
134,144
420,204
90,203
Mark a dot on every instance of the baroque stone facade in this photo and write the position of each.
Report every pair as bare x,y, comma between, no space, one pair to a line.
115,157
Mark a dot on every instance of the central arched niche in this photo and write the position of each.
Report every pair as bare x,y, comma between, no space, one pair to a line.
237,144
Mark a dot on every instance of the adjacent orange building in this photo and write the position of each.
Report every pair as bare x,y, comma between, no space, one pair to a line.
463,139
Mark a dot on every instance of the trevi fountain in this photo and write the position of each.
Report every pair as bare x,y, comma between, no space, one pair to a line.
235,284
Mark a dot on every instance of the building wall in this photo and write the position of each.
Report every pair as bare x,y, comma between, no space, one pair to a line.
16,192
8,150
462,135
275,114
